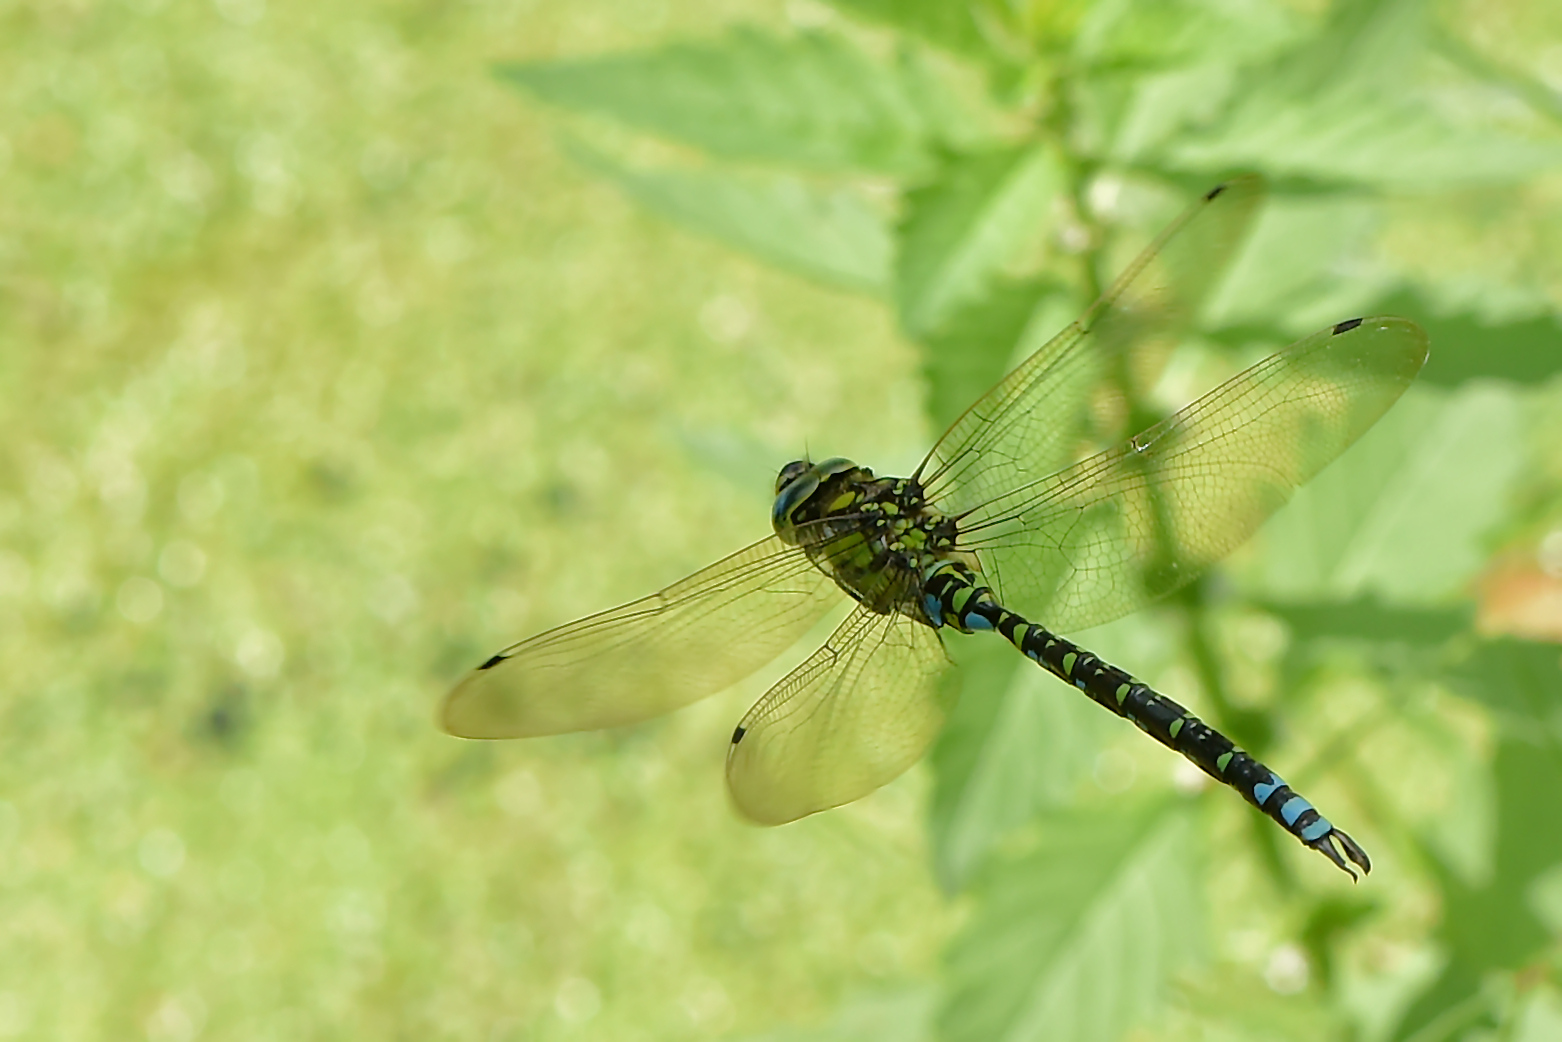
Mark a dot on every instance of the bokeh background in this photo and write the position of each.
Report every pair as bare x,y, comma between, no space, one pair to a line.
342,344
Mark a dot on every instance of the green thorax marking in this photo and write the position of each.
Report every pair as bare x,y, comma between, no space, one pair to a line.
874,536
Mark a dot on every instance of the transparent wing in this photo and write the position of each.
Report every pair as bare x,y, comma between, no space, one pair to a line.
650,656
1031,421
1103,537
861,710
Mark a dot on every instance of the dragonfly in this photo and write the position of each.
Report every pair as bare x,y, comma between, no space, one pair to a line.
996,531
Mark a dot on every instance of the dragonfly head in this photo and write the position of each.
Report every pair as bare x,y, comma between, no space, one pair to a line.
799,480
791,472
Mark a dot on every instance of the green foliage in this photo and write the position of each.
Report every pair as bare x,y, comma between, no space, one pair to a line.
1388,517
1145,35
1494,926
327,374
1521,350
1078,926
1377,123
973,346
1011,749
1335,109
1518,680
1368,619
813,100
961,229
833,237
956,27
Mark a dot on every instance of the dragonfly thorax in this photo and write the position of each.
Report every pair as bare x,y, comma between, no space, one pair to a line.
876,537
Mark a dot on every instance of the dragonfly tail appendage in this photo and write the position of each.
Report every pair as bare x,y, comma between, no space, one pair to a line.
969,607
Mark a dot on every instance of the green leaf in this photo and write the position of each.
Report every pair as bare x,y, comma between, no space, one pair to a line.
1527,351
1156,108
1521,680
831,237
1288,283
977,342
1541,1017
1508,80
1228,1003
1076,931
1494,926
1347,106
950,24
1163,32
1404,512
960,231
812,100
1016,743
1369,619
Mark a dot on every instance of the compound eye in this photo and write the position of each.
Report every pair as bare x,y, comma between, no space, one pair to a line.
791,472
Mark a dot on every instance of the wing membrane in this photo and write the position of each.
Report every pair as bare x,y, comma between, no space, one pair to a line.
1027,425
1103,537
861,710
650,656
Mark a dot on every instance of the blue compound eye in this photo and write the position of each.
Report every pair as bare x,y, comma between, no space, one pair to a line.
790,473
791,496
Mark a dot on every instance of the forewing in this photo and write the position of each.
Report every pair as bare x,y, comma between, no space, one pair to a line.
1103,537
861,710
650,656
1030,422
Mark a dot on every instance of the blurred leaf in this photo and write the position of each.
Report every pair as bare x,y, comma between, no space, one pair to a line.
1408,645
960,231
902,1016
1236,1006
1463,833
1345,107
1016,743
1527,351
1287,281
835,237
974,347
957,119
811,100
1540,1020
1545,898
1403,513
1162,32
1367,45
1158,107
1367,618
1521,680
1494,927
1536,94
1051,25
1076,931
980,691
1329,921
950,24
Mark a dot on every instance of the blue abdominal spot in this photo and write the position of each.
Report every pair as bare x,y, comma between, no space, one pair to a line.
1317,830
1263,790
1293,809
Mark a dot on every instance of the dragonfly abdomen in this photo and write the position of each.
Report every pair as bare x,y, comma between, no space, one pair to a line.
954,597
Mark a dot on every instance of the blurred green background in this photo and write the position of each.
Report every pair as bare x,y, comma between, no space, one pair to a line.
334,361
